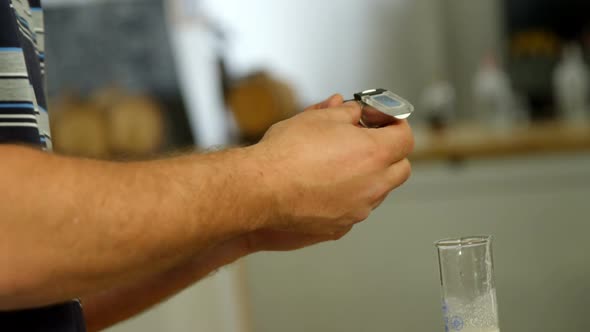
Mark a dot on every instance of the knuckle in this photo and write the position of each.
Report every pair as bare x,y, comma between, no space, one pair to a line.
273,129
362,215
406,170
383,155
374,151
410,145
331,114
381,190
341,233
408,140
278,126
354,111
251,243
385,191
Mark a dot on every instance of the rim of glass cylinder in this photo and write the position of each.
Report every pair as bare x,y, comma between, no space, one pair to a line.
463,242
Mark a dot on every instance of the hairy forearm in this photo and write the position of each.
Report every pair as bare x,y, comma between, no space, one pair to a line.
71,227
110,307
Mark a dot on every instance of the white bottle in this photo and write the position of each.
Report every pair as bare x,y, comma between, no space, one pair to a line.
438,103
494,99
571,85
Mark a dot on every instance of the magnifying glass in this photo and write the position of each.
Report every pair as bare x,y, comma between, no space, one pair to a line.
382,107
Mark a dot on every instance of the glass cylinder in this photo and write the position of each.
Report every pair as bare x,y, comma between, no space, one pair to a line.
467,283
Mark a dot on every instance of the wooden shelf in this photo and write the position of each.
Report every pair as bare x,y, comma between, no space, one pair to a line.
476,142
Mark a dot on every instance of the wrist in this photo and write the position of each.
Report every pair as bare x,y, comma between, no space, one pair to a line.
257,185
276,185
238,188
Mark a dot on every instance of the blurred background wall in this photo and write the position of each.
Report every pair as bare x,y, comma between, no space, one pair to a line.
384,276
348,45
472,29
344,46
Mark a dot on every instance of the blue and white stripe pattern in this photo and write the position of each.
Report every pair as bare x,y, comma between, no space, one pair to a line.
24,120
23,115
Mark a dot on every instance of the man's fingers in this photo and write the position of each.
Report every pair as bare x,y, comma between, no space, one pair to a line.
334,101
380,201
340,234
397,174
395,142
349,112
287,241
393,177
335,108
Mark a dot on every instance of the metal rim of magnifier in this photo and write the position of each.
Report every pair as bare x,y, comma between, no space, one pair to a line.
396,117
404,111
464,241
406,107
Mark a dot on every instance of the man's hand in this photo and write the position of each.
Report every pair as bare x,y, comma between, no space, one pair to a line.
108,308
118,226
270,240
326,173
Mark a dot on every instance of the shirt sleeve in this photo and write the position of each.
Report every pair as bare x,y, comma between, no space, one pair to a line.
23,106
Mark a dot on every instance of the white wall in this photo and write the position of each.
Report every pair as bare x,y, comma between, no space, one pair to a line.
336,45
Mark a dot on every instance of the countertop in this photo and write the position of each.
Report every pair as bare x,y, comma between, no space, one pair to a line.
469,141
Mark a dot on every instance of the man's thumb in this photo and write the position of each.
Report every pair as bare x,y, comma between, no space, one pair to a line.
334,101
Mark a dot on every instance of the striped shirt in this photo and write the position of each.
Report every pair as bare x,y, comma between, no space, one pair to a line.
23,105
24,120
